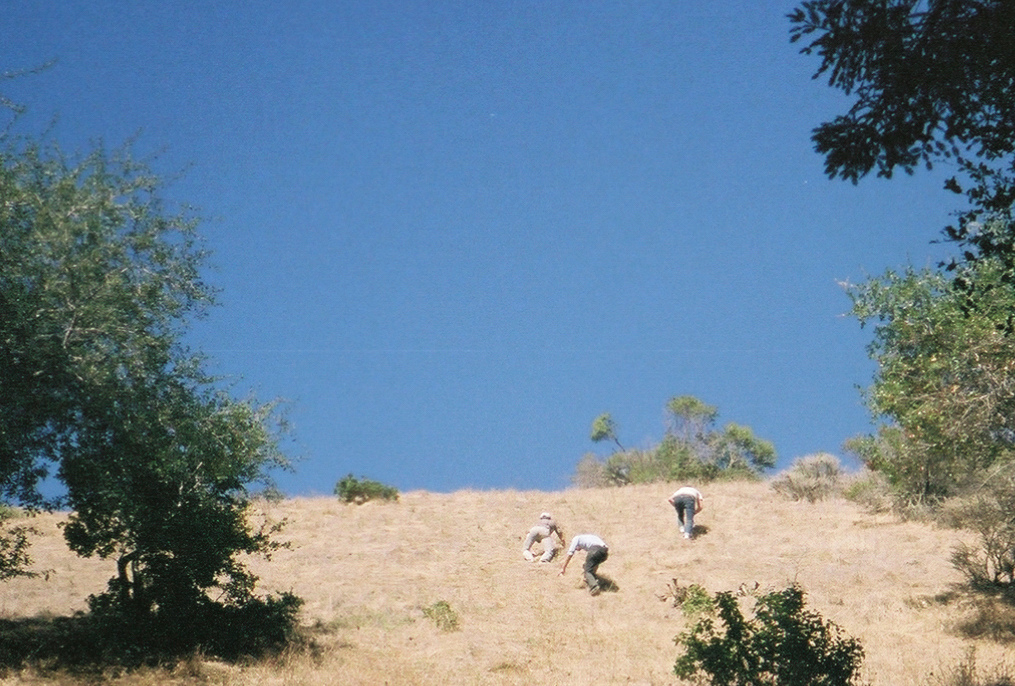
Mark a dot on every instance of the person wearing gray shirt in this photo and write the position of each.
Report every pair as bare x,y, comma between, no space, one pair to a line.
596,552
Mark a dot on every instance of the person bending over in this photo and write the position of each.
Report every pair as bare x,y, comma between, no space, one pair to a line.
596,552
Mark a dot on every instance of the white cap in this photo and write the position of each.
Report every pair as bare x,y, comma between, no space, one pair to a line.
545,515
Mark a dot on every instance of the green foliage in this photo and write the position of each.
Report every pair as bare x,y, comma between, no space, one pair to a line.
810,478
929,81
349,489
691,449
690,419
944,379
442,614
697,602
783,644
14,545
605,429
98,283
738,450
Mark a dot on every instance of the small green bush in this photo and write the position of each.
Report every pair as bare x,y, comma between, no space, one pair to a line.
349,489
442,615
783,644
697,602
811,478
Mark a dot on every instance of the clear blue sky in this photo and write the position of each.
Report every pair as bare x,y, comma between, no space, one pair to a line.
452,233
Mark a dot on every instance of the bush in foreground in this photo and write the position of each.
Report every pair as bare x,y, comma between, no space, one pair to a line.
782,644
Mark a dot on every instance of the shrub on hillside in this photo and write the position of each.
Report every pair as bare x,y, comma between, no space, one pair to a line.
443,615
966,673
870,490
811,478
990,512
782,644
616,470
349,489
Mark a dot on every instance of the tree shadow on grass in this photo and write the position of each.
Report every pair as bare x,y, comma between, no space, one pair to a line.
992,616
57,643
83,645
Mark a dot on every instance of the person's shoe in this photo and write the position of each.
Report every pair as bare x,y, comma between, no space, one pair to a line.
527,555
596,590
681,529
687,535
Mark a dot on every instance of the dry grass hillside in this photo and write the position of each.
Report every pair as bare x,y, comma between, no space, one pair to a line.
367,572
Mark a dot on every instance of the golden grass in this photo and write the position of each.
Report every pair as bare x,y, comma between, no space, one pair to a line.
367,572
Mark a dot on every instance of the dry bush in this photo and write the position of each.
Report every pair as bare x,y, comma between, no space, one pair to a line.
590,472
811,478
870,490
989,563
965,673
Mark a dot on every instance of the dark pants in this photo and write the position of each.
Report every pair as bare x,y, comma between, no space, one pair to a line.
595,556
685,512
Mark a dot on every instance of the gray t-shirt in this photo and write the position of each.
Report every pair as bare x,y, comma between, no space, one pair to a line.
584,542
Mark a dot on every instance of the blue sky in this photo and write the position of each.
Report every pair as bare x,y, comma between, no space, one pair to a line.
453,233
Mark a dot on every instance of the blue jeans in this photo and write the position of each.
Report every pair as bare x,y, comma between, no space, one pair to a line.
685,512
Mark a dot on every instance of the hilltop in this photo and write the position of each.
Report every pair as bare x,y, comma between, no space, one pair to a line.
368,571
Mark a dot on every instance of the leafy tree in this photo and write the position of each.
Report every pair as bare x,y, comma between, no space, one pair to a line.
98,283
944,389
737,449
690,420
349,489
690,449
605,429
783,644
14,545
930,81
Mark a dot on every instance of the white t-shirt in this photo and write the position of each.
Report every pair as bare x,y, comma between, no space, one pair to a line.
687,490
584,542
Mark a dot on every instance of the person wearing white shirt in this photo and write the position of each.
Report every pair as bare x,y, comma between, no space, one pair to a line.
596,552
688,502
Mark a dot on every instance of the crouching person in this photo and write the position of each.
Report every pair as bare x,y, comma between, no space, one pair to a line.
596,552
543,531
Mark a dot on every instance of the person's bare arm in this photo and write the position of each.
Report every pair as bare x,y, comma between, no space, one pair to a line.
699,505
566,560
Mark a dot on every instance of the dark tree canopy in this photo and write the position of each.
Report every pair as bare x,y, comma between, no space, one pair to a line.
931,80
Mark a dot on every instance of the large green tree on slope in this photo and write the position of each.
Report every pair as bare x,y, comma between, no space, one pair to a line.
98,283
931,80
944,389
